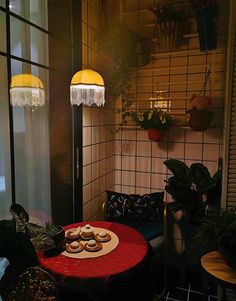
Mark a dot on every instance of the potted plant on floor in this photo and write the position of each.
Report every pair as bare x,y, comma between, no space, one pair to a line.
155,121
195,193
219,231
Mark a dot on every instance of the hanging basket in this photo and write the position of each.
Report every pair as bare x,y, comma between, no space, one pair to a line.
200,120
155,135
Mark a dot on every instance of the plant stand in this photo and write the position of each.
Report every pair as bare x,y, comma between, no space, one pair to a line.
155,135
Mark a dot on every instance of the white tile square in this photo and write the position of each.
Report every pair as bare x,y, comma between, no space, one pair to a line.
128,163
158,165
143,164
87,174
128,178
143,179
176,150
144,149
87,211
87,193
211,152
87,136
193,151
87,155
158,181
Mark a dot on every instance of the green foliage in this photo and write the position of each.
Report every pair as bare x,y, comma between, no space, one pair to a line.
21,218
192,188
116,46
41,237
155,119
219,227
42,242
51,229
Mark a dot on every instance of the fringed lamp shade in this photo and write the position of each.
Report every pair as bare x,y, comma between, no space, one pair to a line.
87,87
27,90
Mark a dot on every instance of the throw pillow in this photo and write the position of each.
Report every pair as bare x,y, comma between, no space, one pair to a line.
148,207
116,204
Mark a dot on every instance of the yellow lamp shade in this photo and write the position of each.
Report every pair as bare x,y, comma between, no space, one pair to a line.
27,90
87,87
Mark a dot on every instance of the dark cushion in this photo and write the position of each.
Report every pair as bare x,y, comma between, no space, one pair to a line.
149,230
148,207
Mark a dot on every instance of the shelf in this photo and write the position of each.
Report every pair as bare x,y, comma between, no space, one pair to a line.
185,52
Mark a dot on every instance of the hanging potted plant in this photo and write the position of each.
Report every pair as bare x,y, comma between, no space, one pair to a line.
200,109
155,121
169,26
206,13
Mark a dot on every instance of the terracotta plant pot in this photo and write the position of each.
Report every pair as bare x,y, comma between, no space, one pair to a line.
200,120
155,135
227,255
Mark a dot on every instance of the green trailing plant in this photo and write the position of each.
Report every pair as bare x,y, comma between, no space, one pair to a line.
153,119
193,189
116,58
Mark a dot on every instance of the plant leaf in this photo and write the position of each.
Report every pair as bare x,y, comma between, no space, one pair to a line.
42,241
179,169
201,177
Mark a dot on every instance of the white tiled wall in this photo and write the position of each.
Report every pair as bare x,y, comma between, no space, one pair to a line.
128,162
98,142
183,72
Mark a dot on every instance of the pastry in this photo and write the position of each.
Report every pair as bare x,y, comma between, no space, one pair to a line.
92,245
103,236
74,247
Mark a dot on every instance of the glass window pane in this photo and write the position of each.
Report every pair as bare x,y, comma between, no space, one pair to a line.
28,42
34,11
2,3
31,143
2,31
5,176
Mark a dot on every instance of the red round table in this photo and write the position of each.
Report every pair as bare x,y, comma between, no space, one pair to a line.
131,250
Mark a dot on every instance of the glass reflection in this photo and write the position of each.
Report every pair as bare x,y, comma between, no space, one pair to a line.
2,32
28,42
5,176
34,11
31,143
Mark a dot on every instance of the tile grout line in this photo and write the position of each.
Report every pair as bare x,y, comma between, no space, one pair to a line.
189,290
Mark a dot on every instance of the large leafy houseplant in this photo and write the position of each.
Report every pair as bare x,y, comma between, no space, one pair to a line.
193,189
